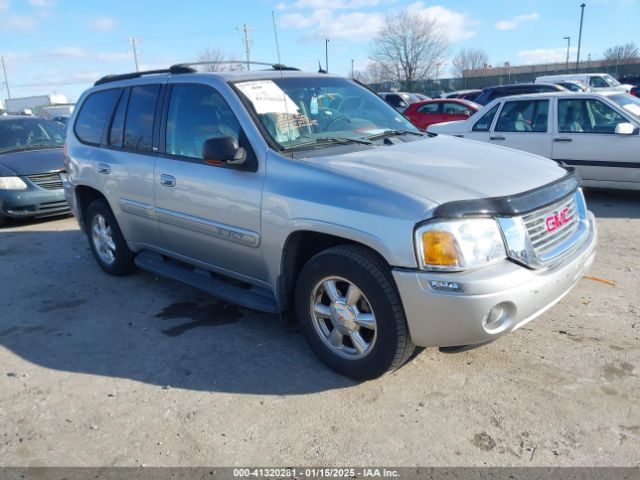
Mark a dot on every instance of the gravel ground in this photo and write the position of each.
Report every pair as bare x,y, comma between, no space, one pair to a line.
102,371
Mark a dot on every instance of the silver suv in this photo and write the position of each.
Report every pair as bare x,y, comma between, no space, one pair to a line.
288,191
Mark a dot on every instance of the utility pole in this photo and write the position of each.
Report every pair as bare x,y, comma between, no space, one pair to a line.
568,39
135,53
6,80
352,69
246,29
580,37
326,54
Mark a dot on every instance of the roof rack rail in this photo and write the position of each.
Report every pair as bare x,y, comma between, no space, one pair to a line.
274,66
126,76
186,68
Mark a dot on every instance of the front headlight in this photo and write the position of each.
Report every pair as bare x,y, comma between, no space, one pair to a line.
12,183
454,245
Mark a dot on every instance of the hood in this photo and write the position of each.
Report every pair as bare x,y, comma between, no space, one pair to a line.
32,161
443,169
457,126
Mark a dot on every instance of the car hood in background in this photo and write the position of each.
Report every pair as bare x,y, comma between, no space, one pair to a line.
449,128
29,162
443,169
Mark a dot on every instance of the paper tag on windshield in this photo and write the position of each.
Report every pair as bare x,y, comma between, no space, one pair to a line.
267,97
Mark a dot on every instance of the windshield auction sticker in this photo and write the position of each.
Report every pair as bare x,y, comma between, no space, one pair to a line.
267,97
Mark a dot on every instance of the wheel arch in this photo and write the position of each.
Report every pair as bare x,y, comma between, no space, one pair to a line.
299,247
86,195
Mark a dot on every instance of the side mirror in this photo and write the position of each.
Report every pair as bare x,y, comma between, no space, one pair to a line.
223,151
467,113
625,129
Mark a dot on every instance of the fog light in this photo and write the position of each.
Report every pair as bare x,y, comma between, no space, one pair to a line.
494,315
499,317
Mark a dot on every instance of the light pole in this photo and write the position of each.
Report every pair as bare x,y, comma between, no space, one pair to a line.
352,69
326,54
568,39
580,36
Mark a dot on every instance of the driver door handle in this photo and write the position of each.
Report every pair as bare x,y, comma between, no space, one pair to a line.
498,137
167,180
563,139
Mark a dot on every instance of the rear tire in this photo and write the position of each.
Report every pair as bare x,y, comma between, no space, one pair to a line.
351,313
3,220
107,244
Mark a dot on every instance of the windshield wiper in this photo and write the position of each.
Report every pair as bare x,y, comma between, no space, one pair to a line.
35,146
325,140
388,133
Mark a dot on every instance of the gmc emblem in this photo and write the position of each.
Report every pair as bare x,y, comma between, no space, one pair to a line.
556,220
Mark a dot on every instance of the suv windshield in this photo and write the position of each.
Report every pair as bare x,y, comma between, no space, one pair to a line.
29,133
312,111
611,81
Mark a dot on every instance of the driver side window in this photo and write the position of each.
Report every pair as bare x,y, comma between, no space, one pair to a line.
196,114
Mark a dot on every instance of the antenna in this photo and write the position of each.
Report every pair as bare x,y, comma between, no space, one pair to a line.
135,52
275,34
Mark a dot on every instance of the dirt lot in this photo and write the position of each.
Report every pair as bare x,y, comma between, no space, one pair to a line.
96,370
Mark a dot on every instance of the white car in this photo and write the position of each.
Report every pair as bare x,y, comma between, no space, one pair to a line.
597,133
598,82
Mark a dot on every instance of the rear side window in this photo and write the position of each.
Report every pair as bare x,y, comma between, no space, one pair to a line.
484,124
95,114
138,128
429,108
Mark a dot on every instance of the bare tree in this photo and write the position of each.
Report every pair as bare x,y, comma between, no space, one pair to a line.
409,46
375,73
213,54
622,53
469,59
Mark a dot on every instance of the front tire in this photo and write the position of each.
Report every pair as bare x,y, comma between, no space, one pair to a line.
351,313
107,244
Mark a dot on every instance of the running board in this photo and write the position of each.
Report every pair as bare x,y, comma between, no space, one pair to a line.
252,297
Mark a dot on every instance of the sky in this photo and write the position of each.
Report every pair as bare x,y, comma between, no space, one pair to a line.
63,46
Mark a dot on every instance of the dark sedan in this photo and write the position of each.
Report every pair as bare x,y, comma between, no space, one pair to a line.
31,160
491,93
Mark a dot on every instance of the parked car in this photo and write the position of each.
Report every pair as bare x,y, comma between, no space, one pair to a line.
428,112
401,100
491,93
596,81
378,235
31,159
574,86
470,95
598,134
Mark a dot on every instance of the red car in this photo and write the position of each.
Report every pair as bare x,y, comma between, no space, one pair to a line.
425,113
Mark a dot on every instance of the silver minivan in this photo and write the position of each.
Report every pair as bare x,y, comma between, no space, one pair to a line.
285,191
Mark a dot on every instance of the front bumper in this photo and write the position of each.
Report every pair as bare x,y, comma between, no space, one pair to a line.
519,294
33,203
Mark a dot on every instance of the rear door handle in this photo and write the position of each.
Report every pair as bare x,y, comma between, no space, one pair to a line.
563,139
497,138
167,180
103,168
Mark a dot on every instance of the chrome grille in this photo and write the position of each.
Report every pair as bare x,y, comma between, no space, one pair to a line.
537,225
48,181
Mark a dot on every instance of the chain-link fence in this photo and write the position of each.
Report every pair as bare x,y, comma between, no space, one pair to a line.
507,75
